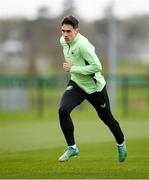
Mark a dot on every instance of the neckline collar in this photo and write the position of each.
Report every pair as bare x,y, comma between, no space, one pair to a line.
75,39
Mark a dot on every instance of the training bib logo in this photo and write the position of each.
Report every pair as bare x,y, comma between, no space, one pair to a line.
69,88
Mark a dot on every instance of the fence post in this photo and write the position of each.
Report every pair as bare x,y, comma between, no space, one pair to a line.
40,98
125,96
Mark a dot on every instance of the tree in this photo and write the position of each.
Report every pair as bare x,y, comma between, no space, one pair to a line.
69,8
43,12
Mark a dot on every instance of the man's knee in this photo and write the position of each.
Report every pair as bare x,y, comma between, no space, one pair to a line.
109,121
63,111
107,118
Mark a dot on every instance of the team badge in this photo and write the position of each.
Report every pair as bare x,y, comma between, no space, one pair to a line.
69,88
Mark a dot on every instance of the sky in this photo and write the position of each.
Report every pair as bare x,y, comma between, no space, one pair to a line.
87,9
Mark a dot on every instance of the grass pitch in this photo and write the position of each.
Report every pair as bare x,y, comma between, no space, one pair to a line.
96,161
30,149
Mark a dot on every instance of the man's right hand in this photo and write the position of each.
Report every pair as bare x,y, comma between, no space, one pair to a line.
67,66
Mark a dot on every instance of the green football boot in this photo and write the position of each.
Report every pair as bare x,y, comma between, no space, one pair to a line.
122,153
71,152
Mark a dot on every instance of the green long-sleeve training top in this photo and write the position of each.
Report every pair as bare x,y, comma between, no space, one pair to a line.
86,68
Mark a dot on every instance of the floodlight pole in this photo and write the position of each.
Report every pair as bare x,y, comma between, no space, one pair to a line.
112,56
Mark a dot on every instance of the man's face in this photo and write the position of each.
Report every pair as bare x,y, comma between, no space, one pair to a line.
68,32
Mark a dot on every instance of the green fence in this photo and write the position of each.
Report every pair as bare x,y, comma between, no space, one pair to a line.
38,94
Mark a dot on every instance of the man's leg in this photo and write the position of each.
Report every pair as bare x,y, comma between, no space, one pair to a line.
100,101
72,97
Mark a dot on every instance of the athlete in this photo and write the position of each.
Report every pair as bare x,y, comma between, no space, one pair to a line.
86,82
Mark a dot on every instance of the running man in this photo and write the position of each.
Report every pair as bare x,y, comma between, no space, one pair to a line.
87,82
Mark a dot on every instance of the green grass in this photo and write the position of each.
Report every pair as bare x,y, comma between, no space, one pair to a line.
130,67
95,161
30,149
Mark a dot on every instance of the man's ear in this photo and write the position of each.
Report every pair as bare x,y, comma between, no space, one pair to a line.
77,30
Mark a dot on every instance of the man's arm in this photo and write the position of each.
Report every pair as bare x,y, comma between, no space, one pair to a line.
93,64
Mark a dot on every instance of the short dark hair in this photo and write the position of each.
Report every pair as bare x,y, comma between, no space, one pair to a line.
71,20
